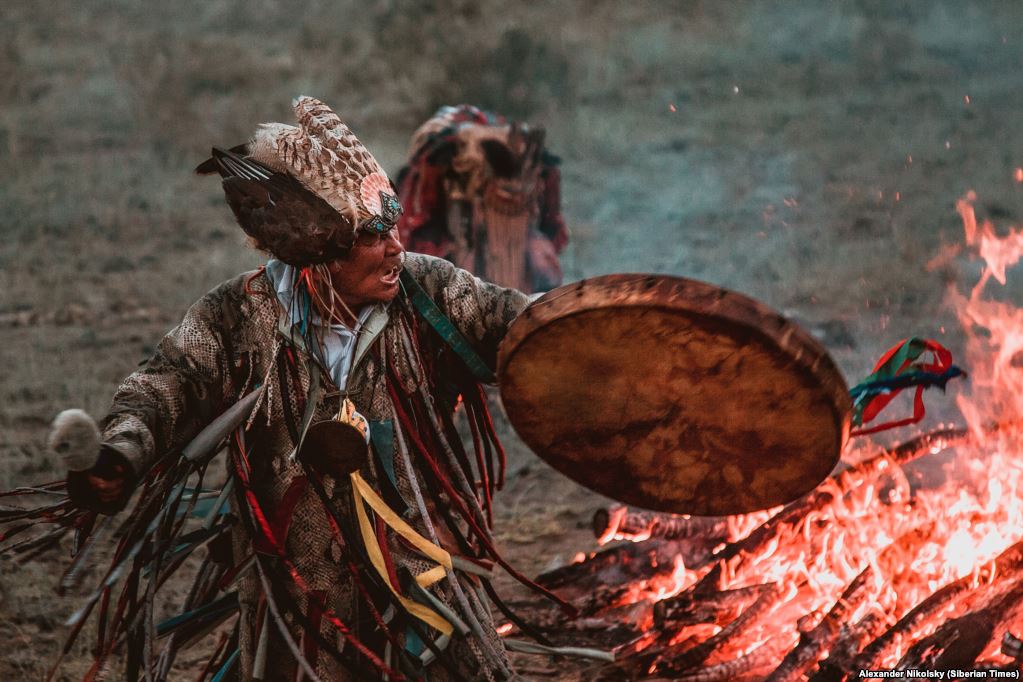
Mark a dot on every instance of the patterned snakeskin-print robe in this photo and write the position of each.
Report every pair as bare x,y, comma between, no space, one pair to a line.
231,341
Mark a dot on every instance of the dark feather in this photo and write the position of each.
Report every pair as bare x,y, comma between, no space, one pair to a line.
209,166
281,214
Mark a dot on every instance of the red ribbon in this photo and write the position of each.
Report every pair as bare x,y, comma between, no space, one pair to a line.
942,362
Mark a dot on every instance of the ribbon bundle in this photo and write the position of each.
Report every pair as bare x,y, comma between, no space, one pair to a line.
903,366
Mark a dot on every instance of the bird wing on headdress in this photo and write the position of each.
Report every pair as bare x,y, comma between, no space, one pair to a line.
273,208
210,165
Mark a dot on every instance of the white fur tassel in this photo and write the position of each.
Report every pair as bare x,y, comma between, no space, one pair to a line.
75,436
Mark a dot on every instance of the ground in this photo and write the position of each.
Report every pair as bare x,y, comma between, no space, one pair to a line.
807,154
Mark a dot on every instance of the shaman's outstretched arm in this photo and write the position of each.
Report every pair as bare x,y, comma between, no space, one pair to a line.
175,393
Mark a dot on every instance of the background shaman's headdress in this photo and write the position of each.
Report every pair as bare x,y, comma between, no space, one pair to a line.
303,192
484,193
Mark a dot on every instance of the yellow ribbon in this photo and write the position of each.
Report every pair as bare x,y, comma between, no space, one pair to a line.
362,493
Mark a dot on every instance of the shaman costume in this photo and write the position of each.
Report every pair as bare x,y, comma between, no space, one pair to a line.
232,340
486,195
344,559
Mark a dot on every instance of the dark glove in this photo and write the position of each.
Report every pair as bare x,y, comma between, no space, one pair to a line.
99,477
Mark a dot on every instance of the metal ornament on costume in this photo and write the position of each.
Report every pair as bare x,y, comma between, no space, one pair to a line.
377,196
337,447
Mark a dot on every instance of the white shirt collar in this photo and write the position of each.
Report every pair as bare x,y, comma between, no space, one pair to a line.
335,348
282,276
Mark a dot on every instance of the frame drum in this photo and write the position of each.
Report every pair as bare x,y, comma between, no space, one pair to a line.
673,395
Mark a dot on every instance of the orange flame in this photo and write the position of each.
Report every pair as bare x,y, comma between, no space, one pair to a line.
950,532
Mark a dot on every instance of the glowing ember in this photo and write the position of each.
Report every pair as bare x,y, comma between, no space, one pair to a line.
674,583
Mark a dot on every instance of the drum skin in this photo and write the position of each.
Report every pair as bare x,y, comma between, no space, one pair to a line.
673,395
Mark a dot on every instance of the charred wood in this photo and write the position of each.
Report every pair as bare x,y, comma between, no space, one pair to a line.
731,632
623,556
689,608
760,658
959,642
815,643
794,515
623,563
618,519
710,631
1012,646
851,639
1008,565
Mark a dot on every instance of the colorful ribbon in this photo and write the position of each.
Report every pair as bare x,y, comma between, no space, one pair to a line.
363,493
899,368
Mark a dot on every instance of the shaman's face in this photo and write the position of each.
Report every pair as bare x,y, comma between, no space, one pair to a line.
369,274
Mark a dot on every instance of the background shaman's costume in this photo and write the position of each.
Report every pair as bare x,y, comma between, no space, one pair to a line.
485,194
368,561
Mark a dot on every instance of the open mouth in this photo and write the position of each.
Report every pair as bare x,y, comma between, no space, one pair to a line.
391,276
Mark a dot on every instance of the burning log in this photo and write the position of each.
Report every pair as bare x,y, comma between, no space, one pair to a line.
1012,646
869,565
602,578
689,609
959,642
785,522
598,577
809,569
635,524
761,657
850,641
1007,566
813,644
907,626
764,604
706,601
611,557
612,598
895,565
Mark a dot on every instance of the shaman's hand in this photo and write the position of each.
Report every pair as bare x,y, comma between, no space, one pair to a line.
98,477
108,482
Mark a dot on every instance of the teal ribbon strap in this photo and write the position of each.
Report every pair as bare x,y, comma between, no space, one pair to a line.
443,326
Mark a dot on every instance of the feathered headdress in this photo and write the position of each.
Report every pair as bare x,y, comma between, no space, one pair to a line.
303,192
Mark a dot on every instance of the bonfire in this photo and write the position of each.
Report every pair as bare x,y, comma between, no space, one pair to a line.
906,559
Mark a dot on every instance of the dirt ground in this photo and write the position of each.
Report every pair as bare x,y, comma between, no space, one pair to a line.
808,154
